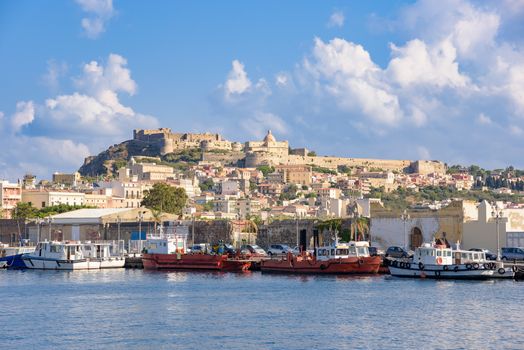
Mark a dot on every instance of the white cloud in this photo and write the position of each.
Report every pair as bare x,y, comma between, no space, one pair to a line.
40,136
260,122
336,19
99,11
55,71
25,114
237,81
484,119
415,63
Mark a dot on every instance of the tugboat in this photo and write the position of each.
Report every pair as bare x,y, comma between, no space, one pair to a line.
339,258
169,252
439,262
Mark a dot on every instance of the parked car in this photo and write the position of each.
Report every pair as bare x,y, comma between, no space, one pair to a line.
229,249
253,250
373,251
516,253
276,249
203,248
397,252
489,255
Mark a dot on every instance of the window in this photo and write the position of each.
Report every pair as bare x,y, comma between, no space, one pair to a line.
43,204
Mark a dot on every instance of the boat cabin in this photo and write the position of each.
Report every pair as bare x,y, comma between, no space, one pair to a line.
343,250
439,255
60,250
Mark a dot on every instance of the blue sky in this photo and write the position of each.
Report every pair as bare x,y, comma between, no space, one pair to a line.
382,79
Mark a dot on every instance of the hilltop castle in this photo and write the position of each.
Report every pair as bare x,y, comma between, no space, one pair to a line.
269,151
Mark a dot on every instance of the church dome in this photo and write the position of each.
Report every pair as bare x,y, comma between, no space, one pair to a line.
269,137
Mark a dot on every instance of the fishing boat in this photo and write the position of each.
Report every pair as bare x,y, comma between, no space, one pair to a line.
168,251
72,255
11,256
439,262
339,258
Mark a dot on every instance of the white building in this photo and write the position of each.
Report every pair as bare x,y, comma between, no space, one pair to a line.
42,199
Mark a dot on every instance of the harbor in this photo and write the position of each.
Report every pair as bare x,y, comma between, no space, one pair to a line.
189,310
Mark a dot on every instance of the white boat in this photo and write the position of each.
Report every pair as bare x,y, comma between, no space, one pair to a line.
72,256
439,262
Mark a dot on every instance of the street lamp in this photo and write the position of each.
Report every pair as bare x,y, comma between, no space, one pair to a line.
405,217
496,213
118,221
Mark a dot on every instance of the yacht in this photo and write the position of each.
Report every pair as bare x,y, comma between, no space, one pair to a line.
72,255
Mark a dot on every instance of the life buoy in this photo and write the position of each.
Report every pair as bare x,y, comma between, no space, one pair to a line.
487,266
421,266
446,267
475,266
439,260
469,266
502,271
456,268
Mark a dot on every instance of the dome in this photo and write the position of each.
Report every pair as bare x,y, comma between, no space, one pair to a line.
269,137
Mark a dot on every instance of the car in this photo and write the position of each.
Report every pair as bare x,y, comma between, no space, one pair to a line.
229,249
512,253
276,249
253,250
373,251
202,248
489,255
397,252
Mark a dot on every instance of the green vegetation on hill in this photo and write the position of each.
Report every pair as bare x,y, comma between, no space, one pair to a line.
402,198
319,169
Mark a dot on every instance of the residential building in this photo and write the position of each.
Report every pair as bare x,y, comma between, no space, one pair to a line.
10,195
295,174
68,180
44,198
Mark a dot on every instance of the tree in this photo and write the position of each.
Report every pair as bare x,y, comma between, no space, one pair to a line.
312,154
266,169
165,198
24,211
206,185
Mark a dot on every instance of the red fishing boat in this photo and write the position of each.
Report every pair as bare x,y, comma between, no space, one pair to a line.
340,258
168,252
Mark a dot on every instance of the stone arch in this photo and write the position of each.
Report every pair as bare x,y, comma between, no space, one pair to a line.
415,238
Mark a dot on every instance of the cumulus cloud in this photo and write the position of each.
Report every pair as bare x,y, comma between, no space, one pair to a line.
237,81
258,124
55,71
336,19
452,84
99,12
25,114
93,117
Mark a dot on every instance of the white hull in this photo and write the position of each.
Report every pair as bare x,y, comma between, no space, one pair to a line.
438,272
87,264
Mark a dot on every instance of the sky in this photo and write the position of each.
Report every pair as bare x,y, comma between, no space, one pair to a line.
388,79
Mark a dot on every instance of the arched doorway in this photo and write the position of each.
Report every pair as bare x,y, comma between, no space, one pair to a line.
415,238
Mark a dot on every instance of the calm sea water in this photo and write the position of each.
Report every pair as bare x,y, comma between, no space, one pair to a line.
136,309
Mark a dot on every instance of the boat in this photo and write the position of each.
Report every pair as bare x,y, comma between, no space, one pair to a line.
11,256
439,262
339,258
72,255
168,252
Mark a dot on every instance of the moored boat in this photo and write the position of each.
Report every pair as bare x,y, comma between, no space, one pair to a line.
439,262
11,257
53,255
340,258
169,252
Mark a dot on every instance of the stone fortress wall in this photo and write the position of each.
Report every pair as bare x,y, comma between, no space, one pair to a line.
269,151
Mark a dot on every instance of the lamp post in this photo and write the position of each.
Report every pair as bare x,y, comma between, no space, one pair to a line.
405,217
118,221
496,213
50,222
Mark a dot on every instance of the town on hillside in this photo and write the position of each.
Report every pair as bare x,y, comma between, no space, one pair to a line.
391,202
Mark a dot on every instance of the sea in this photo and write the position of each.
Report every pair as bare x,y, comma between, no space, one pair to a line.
140,309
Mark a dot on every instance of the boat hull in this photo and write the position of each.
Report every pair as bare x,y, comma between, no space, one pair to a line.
193,262
352,265
38,263
437,272
13,261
